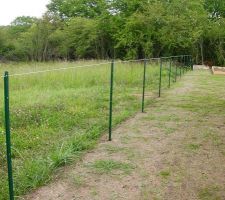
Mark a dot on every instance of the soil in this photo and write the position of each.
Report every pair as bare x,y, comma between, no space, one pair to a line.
170,154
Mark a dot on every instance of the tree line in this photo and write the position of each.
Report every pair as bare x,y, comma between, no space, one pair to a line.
123,29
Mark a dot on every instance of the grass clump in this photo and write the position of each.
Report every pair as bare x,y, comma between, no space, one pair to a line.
193,147
169,130
165,174
209,193
114,149
108,166
78,180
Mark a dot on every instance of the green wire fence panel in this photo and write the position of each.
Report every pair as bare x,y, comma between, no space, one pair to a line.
59,112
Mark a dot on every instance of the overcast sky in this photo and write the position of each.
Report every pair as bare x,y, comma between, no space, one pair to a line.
10,9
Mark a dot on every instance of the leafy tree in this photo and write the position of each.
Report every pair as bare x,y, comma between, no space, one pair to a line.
81,34
58,47
77,8
216,8
21,24
35,42
102,29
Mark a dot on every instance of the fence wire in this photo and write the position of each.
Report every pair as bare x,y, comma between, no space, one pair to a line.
56,116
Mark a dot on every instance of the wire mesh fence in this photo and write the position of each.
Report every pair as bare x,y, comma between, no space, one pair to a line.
58,113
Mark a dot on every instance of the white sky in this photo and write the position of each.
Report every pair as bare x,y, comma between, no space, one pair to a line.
10,9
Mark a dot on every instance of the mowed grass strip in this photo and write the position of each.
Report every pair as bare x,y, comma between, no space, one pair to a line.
57,116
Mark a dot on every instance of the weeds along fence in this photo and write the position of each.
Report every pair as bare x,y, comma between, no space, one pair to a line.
54,114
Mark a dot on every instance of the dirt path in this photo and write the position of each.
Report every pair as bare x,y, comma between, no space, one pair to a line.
176,150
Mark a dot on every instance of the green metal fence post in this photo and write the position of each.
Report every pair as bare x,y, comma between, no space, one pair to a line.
143,91
111,100
188,62
8,136
180,67
160,77
176,73
170,71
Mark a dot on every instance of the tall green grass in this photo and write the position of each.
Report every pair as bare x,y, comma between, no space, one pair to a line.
57,116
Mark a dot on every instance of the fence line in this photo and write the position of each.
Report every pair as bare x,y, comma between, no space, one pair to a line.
83,66
58,69
184,64
67,68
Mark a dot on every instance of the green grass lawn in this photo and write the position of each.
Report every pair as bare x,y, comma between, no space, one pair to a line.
57,116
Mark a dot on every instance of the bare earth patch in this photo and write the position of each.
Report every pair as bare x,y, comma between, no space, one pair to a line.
176,150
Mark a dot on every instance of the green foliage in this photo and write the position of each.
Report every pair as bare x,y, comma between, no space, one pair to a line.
216,8
78,8
81,34
126,29
22,24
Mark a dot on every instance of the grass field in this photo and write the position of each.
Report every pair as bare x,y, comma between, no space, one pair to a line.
56,116
175,150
